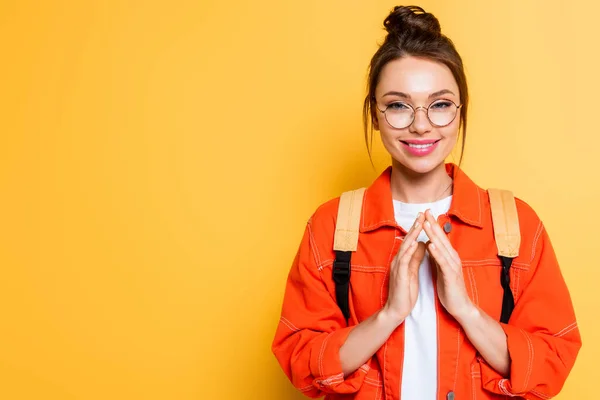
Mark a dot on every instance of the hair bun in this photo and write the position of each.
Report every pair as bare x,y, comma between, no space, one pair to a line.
411,18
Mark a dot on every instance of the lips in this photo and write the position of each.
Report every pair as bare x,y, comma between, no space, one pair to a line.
420,147
420,142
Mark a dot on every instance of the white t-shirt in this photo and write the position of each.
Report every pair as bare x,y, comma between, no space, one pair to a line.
419,376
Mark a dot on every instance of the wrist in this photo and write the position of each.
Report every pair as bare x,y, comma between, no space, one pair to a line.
388,318
468,315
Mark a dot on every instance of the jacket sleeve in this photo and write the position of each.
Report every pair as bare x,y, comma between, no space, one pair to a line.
542,334
312,329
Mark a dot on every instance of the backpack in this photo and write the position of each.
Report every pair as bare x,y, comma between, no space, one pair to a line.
507,234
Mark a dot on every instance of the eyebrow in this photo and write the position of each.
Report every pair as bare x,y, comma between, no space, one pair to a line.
407,96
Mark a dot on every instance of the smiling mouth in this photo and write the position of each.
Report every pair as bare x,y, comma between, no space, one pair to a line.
420,145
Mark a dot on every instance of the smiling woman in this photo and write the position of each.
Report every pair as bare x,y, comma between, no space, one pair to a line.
406,86
418,311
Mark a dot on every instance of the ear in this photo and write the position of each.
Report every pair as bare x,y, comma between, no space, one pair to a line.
374,120
374,114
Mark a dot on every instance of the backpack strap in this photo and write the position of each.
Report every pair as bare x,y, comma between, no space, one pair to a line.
505,220
345,242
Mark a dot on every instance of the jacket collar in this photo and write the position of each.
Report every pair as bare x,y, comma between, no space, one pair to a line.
378,207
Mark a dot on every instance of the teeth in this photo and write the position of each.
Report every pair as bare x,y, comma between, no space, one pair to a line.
420,146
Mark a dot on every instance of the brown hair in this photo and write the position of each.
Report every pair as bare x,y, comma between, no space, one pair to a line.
413,32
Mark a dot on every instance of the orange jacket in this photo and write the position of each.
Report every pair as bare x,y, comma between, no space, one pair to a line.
543,339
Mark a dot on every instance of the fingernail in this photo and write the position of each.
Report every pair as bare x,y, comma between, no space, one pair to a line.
432,246
417,224
427,224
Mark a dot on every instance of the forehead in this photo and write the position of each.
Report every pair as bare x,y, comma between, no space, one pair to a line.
415,76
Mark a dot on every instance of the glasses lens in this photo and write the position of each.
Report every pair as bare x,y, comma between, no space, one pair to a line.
442,112
399,115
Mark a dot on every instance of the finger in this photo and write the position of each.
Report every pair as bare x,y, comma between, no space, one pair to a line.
417,227
415,261
432,233
404,246
432,225
412,234
438,262
441,257
438,236
404,258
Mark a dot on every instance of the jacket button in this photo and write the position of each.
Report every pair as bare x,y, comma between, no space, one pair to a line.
447,227
450,395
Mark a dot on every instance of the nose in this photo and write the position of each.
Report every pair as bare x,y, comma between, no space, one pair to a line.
421,124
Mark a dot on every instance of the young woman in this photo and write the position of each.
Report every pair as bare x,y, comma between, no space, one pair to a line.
425,296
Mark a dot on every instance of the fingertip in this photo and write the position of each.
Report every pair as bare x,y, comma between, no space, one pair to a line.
410,250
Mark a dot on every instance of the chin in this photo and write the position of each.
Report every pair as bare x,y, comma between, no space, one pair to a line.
421,165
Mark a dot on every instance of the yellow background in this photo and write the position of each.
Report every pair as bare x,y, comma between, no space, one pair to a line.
158,162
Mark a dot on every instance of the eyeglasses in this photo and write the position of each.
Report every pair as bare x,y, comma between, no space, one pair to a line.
401,115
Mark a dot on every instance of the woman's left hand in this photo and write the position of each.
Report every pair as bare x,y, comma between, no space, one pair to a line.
451,288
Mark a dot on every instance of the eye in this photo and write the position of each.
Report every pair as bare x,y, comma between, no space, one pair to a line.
442,104
398,106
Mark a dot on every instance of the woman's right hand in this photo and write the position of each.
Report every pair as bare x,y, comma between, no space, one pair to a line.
404,275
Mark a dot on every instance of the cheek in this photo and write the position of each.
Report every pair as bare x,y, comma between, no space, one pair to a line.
450,132
450,135
388,136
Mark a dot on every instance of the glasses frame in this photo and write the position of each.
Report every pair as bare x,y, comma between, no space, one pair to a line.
426,109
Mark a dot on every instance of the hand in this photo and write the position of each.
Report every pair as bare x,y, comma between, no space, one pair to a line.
451,288
404,275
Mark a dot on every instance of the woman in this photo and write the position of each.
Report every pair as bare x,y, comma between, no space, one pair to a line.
425,297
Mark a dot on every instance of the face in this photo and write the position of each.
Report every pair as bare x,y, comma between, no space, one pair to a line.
416,82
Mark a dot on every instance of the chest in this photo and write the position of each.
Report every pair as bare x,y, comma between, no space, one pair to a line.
481,267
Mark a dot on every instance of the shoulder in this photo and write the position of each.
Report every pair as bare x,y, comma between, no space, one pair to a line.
320,230
323,219
326,214
531,228
528,217
321,226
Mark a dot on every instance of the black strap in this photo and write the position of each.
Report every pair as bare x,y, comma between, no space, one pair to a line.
341,277
508,301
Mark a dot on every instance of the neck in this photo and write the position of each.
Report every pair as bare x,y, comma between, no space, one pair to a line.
413,187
